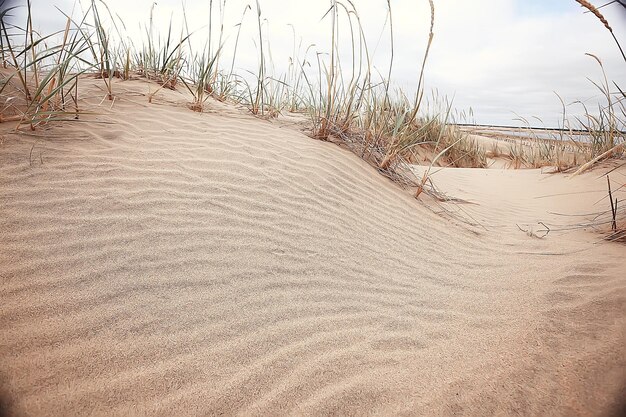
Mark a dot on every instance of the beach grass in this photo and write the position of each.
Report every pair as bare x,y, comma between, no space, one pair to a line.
350,104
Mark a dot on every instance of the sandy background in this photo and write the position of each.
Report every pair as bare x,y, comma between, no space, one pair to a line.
157,261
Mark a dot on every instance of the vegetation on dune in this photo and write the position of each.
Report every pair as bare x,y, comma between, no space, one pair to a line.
351,104
607,139
605,128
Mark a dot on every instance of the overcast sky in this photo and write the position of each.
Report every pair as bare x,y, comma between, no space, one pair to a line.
499,57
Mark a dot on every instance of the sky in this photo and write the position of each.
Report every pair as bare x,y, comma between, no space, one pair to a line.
504,59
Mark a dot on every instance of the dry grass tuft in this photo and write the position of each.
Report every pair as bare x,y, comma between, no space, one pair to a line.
348,105
618,236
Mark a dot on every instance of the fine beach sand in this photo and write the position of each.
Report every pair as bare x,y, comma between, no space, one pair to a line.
158,261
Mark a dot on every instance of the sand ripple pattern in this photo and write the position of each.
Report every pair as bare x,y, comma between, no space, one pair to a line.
184,264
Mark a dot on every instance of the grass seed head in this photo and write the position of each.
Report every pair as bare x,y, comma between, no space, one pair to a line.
593,9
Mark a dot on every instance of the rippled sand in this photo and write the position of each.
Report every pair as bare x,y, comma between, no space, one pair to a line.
174,263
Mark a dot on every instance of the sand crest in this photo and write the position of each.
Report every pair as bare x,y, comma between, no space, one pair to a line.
157,261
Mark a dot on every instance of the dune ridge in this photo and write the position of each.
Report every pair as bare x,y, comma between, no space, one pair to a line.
156,261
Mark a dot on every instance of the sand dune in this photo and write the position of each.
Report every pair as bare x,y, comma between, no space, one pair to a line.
157,261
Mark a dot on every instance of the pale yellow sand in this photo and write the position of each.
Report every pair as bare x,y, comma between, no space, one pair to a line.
175,263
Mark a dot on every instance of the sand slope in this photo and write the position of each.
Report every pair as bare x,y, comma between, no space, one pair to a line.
174,263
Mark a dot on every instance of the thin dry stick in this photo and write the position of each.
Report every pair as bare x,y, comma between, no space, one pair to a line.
614,222
75,99
589,164
29,31
420,88
615,214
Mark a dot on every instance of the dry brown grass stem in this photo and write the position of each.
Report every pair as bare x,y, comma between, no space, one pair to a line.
599,15
593,9
591,163
420,88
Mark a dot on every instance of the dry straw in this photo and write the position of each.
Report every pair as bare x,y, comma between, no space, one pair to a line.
593,9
